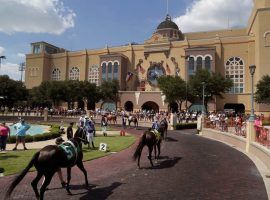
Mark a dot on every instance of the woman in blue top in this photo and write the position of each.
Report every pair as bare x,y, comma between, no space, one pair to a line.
21,129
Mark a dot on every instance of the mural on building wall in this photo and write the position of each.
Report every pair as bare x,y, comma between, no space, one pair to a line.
154,71
139,67
176,68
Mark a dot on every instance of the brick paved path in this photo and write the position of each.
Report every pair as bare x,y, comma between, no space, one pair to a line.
191,167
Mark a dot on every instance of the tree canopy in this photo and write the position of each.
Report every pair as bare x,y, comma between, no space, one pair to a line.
215,85
11,91
53,92
263,90
109,91
174,88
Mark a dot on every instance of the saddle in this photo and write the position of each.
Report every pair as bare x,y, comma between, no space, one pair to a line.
157,134
71,151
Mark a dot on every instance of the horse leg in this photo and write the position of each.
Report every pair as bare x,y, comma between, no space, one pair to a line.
150,149
48,178
155,152
138,162
35,182
158,146
68,180
81,167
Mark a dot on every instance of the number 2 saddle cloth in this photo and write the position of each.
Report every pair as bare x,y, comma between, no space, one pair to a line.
70,150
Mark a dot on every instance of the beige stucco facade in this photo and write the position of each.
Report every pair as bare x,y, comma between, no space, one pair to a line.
167,51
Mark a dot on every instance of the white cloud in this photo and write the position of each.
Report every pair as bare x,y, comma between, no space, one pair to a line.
205,15
10,69
21,55
35,16
2,49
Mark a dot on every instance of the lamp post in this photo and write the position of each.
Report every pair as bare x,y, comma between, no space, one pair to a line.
186,95
1,58
252,71
203,110
22,68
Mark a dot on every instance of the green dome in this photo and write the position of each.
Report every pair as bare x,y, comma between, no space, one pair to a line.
168,23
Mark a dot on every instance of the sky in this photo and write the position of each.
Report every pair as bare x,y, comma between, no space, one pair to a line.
91,24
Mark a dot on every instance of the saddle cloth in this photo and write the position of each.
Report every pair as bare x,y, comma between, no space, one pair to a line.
70,150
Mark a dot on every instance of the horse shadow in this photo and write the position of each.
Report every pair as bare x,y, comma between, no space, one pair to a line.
167,163
169,139
7,156
101,193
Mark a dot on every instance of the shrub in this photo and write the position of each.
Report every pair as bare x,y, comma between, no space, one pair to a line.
11,139
185,126
38,137
28,138
55,134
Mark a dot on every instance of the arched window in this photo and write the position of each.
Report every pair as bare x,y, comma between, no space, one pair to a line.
74,73
103,67
56,74
110,75
207,63
115,70
191,67
235,70
93,74
199,64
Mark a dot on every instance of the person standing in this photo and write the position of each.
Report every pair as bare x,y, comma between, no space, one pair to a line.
104,124
21,129
89,127
258,127
70,130
4,133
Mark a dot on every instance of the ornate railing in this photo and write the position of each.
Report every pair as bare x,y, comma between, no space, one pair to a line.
263,136
227,126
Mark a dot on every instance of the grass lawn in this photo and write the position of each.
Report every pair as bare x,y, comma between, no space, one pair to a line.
15,161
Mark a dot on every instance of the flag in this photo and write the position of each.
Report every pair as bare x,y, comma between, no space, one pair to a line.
129,76
168,69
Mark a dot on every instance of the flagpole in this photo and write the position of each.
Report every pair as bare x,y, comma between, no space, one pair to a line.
167,7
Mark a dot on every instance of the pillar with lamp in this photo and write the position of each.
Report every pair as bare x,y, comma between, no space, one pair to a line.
252,71
250,123
1,58
203,107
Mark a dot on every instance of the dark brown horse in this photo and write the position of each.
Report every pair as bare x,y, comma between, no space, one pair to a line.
164,124
49,159
134,120
149,139
111,118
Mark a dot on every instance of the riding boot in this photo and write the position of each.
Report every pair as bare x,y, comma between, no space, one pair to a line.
93,145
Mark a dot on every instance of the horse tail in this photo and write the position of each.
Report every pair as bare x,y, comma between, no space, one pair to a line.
18,179
139,147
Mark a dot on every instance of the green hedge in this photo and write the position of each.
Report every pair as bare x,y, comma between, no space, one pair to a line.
54,133
186,126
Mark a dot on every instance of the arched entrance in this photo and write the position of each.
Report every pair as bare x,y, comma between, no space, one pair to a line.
174,107
150,105
128,106
236,107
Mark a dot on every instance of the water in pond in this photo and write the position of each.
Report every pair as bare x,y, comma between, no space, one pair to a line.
34,129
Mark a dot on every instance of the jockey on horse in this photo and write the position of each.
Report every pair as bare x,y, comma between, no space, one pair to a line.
155,128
